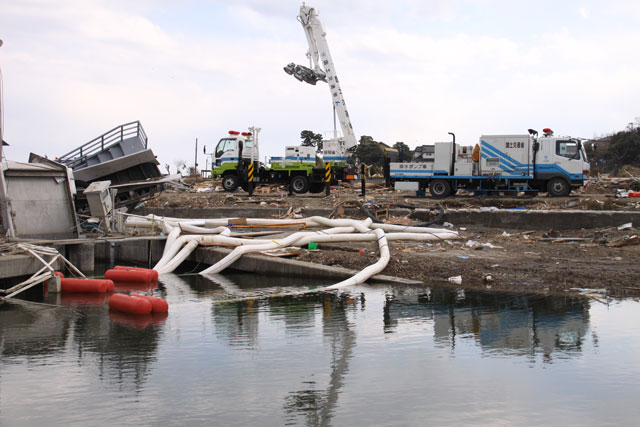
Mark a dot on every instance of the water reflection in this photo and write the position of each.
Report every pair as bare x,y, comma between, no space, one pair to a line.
509,324
121,348
314,401
313,359
318,405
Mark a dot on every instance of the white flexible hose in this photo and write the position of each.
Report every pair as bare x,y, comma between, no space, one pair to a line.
273,244
178,247
371,270
179,258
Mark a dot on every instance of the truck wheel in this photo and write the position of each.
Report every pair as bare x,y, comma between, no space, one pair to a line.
558,187
299,184
230,183
439,188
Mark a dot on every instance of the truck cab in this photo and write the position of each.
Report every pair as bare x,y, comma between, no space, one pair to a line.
562,157
229,150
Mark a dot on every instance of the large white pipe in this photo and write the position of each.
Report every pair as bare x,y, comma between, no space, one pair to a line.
179,258
273,244
178,249
217,239
371,270
136,221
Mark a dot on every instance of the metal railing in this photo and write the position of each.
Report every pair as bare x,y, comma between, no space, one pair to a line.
104,142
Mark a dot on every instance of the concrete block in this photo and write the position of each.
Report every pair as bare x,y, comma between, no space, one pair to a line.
54,285
83,257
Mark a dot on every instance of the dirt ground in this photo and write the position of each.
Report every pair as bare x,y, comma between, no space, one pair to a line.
499,259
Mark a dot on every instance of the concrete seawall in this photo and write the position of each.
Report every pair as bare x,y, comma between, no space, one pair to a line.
498,218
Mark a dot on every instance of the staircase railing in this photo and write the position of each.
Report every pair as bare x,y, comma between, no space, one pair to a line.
104,142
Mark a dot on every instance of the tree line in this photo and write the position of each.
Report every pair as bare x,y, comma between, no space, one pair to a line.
616,152
368,151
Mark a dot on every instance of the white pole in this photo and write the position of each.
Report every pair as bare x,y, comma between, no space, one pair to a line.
4,202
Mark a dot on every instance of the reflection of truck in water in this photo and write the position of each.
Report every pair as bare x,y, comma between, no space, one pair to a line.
497,163
504,323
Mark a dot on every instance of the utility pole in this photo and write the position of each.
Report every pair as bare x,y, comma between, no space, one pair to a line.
7,222
195,168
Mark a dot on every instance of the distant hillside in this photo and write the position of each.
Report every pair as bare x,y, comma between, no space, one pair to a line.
617,154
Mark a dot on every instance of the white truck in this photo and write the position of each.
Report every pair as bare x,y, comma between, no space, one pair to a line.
498,163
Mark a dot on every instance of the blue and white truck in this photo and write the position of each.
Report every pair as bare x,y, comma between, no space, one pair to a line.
498,163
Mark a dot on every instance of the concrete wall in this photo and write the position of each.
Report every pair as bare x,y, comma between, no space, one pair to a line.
40,207
498,218
133,250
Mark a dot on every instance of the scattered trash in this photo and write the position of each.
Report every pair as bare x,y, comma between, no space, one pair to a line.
587,291
625,226
480,246
282,252
488,278
457,280
488,208
633,240
463,256
312,246
491,246
447,224
505,234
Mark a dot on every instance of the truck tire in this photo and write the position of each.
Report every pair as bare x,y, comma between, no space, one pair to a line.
230,183
558,187
299,184
439,188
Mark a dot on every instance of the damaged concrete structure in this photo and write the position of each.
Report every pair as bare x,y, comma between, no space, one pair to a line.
39,201
120,155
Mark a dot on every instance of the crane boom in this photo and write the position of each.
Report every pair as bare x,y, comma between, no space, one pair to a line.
324,70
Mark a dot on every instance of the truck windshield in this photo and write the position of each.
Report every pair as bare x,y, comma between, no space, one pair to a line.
568,148
225,144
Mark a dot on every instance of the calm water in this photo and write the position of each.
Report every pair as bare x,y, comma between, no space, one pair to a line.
379,355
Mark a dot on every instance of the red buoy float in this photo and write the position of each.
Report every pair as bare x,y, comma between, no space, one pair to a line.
86,285
128,275
127,304
154,273
158,305
60,275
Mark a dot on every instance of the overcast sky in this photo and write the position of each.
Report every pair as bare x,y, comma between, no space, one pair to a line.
411,70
